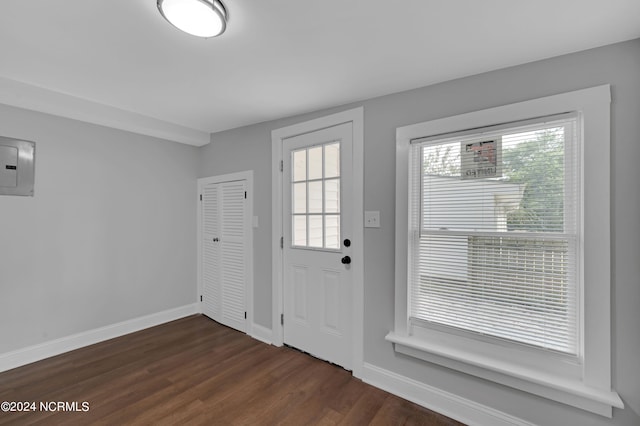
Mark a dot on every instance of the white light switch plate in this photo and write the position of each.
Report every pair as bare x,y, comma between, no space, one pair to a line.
372,219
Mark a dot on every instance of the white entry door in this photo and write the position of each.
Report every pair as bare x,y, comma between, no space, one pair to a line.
223,250
317,175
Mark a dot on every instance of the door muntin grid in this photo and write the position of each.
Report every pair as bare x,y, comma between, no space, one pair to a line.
315,197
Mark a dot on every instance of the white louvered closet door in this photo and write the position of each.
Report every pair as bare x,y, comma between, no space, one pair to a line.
223,251
211,277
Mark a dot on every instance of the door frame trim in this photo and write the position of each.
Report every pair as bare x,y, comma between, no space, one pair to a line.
356,117
248,227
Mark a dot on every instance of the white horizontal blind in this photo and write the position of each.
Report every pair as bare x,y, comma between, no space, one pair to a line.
494,229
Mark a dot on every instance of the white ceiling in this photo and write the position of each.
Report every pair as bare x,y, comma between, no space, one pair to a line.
278,57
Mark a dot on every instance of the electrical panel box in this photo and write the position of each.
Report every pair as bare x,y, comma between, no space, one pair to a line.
17,166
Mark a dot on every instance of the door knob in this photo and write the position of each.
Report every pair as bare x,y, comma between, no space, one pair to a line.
346,260
347,242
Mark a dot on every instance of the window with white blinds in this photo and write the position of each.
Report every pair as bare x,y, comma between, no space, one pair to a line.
493,241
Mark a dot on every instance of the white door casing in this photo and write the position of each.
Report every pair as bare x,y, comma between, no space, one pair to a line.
225,260
352,219
317,285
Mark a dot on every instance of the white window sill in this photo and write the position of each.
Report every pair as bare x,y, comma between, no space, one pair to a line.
566,390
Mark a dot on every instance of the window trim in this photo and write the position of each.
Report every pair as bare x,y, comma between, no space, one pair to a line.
587,386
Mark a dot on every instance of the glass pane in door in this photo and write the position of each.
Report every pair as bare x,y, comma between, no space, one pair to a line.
315,196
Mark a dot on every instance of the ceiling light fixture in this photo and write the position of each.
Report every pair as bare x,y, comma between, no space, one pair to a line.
201,18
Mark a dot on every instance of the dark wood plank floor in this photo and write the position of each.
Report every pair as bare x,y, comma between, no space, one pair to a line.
195,371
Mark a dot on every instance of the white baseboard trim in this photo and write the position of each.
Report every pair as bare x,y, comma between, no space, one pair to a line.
261,333
20,357
448,404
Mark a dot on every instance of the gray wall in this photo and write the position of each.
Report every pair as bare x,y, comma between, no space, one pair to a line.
249,148
110,234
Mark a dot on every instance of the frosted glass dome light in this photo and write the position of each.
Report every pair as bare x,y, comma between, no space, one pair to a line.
201,18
